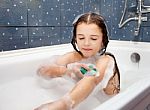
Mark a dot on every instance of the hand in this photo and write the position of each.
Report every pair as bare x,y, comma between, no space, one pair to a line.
56,105
51,71
74,70
64,103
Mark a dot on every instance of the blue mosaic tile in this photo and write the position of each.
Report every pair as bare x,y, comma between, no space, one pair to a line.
13,13
13,38
33,23
66,34
44,36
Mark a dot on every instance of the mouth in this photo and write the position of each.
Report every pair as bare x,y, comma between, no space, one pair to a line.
87,49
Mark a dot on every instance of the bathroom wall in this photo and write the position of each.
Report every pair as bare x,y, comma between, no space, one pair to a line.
34,23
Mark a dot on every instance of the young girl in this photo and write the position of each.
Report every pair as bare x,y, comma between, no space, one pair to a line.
89,64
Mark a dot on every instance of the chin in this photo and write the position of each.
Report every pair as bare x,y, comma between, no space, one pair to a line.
87,55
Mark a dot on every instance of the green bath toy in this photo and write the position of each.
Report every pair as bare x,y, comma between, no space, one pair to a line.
83,70
93,71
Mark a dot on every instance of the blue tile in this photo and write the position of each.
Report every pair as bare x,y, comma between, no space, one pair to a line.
13,38
92,5
13,14
44,36
70,10
66,34
33,23
44,13
146,34
67,17
72,5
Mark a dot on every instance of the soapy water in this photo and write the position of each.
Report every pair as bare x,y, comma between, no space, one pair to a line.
30,92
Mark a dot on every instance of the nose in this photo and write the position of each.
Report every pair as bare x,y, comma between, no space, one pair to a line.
87,42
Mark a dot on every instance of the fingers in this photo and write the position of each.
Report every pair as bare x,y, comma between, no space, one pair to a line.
61,104
43,107
79,70
85,66
89,70
41,71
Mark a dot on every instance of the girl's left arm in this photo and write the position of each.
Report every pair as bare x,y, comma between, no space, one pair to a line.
81,90
86,85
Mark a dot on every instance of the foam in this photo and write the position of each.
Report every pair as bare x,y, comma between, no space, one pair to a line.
27,94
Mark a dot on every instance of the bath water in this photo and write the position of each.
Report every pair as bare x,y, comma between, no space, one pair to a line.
28,93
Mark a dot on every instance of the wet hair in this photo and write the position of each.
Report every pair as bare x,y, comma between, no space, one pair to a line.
91,18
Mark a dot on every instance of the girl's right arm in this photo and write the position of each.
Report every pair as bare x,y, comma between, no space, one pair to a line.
57,66
52,71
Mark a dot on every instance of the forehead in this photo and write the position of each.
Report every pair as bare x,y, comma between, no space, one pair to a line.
84,27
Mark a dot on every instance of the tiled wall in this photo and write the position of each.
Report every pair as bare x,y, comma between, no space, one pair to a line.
33,23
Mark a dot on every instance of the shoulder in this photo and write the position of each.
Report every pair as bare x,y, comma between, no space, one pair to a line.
104,62
69,57
106,58
113,83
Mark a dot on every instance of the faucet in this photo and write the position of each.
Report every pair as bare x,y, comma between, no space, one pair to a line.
138,10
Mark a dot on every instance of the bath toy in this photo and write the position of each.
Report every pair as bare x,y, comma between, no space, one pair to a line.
93,71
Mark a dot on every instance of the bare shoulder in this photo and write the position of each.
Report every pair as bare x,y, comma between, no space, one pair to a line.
105,59
103,62
68,58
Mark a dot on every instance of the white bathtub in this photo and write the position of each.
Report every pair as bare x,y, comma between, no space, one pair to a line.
20,89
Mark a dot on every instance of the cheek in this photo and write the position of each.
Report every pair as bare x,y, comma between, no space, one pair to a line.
99,42
78,45
98,46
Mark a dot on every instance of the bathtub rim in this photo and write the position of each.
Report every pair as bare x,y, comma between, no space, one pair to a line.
47,49
111,44
127,97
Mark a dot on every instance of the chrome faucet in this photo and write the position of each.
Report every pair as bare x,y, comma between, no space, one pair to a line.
138,10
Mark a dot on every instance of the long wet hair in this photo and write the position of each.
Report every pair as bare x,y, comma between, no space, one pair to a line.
113,85
91,18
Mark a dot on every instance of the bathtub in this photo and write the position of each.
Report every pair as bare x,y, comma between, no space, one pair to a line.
20,88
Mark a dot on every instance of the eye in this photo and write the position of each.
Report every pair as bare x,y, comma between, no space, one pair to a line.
94,38
81,38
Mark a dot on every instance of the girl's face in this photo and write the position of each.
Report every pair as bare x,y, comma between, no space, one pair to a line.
89,39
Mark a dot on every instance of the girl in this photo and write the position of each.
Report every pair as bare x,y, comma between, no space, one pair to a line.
89,64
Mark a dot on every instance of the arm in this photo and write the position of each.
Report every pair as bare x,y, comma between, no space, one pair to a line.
86,85
64,64
80,92
56,67
52,70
